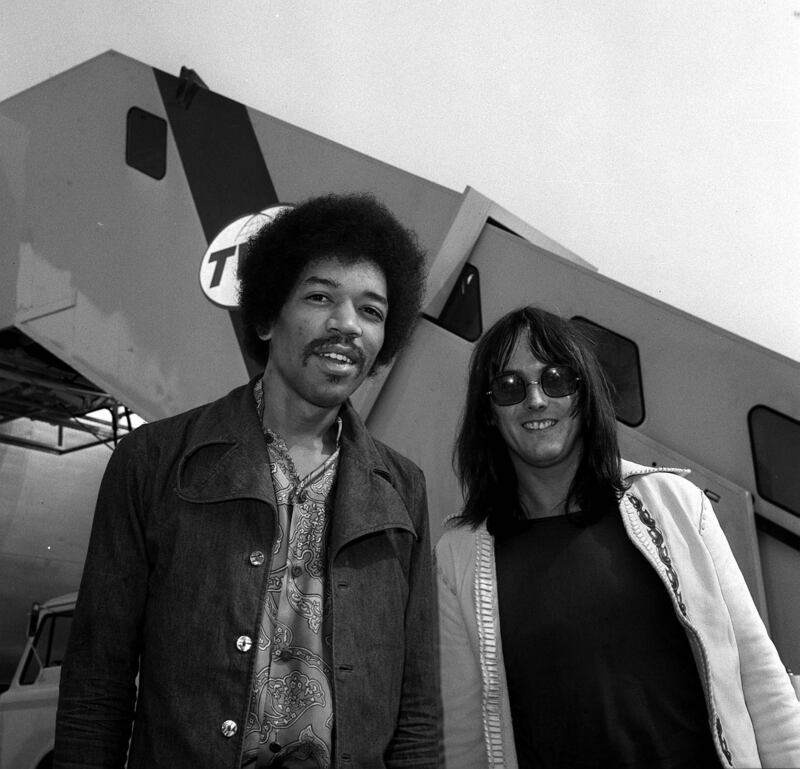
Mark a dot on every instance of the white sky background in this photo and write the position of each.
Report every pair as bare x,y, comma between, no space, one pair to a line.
658,140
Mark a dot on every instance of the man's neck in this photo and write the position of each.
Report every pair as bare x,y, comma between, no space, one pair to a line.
306,429
543,492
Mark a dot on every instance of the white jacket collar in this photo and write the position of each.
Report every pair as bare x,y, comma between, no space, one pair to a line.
631,469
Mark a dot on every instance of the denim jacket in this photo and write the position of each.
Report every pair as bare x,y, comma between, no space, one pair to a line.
174,587
753,713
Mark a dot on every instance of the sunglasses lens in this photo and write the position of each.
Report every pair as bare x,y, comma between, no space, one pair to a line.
558,381
508,389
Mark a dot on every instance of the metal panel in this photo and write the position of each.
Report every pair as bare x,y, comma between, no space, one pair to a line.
122,247
303,164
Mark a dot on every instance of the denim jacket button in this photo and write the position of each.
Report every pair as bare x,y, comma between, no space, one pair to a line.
257,558
243,643
229,728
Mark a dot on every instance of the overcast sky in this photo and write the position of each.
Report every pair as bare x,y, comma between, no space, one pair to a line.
659,140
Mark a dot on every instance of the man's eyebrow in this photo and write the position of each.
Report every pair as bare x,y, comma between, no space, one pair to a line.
325,281
373,296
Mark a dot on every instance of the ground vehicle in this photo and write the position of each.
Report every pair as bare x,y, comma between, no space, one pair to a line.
28,708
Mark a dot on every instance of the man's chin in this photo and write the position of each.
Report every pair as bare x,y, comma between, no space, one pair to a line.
338,391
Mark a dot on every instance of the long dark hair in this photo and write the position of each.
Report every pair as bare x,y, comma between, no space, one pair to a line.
481,458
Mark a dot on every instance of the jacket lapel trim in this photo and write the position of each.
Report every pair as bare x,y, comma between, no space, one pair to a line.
227,444
367,500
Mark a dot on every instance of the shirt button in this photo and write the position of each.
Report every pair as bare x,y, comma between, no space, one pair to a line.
274,747
243,643
302,497
229,728
297,571
257,558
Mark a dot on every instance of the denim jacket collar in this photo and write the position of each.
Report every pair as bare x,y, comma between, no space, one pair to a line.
367,493
226,458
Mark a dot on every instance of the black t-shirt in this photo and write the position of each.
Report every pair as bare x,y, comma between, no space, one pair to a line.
600,671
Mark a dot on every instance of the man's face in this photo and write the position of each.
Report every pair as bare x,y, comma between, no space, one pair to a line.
540,432
328,333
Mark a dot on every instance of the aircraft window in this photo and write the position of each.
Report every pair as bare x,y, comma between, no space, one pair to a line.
619,357
775,444
146,143
49,648
462,311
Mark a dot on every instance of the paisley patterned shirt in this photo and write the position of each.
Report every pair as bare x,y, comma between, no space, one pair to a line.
291,707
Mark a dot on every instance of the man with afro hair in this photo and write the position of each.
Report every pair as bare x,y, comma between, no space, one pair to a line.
262,562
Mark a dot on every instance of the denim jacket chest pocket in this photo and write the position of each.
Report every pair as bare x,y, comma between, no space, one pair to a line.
371,545
369,581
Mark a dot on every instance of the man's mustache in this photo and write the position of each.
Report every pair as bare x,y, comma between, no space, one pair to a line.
339,340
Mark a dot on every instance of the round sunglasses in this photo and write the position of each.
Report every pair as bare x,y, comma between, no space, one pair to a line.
509,387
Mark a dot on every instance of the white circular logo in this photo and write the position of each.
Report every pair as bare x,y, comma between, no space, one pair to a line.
220,263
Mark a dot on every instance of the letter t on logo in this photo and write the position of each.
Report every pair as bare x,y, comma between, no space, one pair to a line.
219,258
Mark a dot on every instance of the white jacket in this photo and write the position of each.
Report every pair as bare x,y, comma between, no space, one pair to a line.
754,714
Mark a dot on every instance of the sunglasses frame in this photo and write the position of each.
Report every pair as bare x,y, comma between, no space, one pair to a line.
529,382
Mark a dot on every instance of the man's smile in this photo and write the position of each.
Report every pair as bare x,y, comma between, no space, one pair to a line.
539,424
335,355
